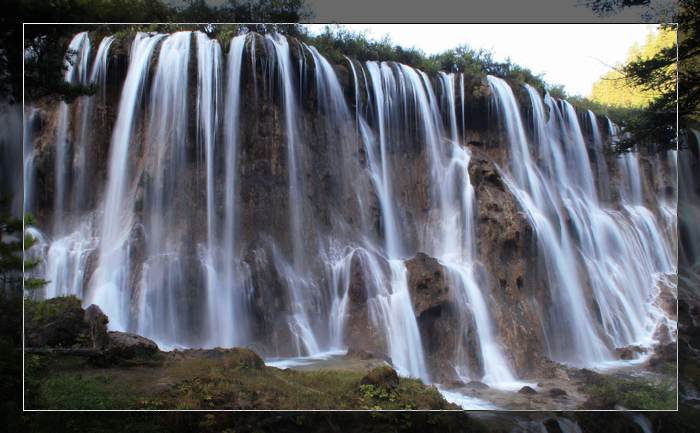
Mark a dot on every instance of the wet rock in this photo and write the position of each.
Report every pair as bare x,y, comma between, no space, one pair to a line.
125,345
475,384
453,384
662,334
450,333
447,331
383,377
427,283
97,325
361,334
552,370
663,353
57,322
551,425
527,390
557,392
629,352
359,353
512,271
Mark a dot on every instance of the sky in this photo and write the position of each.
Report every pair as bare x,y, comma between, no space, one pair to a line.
574,55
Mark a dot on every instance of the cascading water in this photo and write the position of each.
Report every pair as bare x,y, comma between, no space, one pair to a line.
601,165
109,286
361,181
225,303
616,264
76,73
297,281
161,280
67,255
575,337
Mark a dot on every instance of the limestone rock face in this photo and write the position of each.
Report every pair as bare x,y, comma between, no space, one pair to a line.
448,333
427,283
361,334
512,270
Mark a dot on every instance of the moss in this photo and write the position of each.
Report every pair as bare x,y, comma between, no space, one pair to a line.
73,390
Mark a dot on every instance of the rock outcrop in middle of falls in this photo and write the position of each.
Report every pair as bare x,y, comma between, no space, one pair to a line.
512,270
446,330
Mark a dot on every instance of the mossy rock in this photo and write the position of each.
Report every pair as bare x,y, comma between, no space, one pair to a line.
383,377
237,357
56,322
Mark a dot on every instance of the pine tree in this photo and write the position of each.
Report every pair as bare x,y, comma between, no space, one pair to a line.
13,265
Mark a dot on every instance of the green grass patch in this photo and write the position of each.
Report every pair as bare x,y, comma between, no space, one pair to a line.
78,391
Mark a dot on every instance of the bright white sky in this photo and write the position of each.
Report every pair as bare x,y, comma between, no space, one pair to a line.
574,55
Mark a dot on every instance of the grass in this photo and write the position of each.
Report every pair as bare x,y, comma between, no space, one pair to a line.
231,380
74,390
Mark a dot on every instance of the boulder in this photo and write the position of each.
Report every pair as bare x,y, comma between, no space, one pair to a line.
125,345
527,390
557,392
475,384
236,357
552,370
382,377
56,322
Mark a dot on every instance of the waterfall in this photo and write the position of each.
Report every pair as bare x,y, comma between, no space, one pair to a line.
98,77
382,79
610,244
162,274
602,174
575,336
68,253
282,211
110,283
76,73
457,247
688,191
29,158
225,277
299,320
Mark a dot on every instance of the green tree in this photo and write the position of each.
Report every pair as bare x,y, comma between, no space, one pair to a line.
655,124
13,265
615,88
43,72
